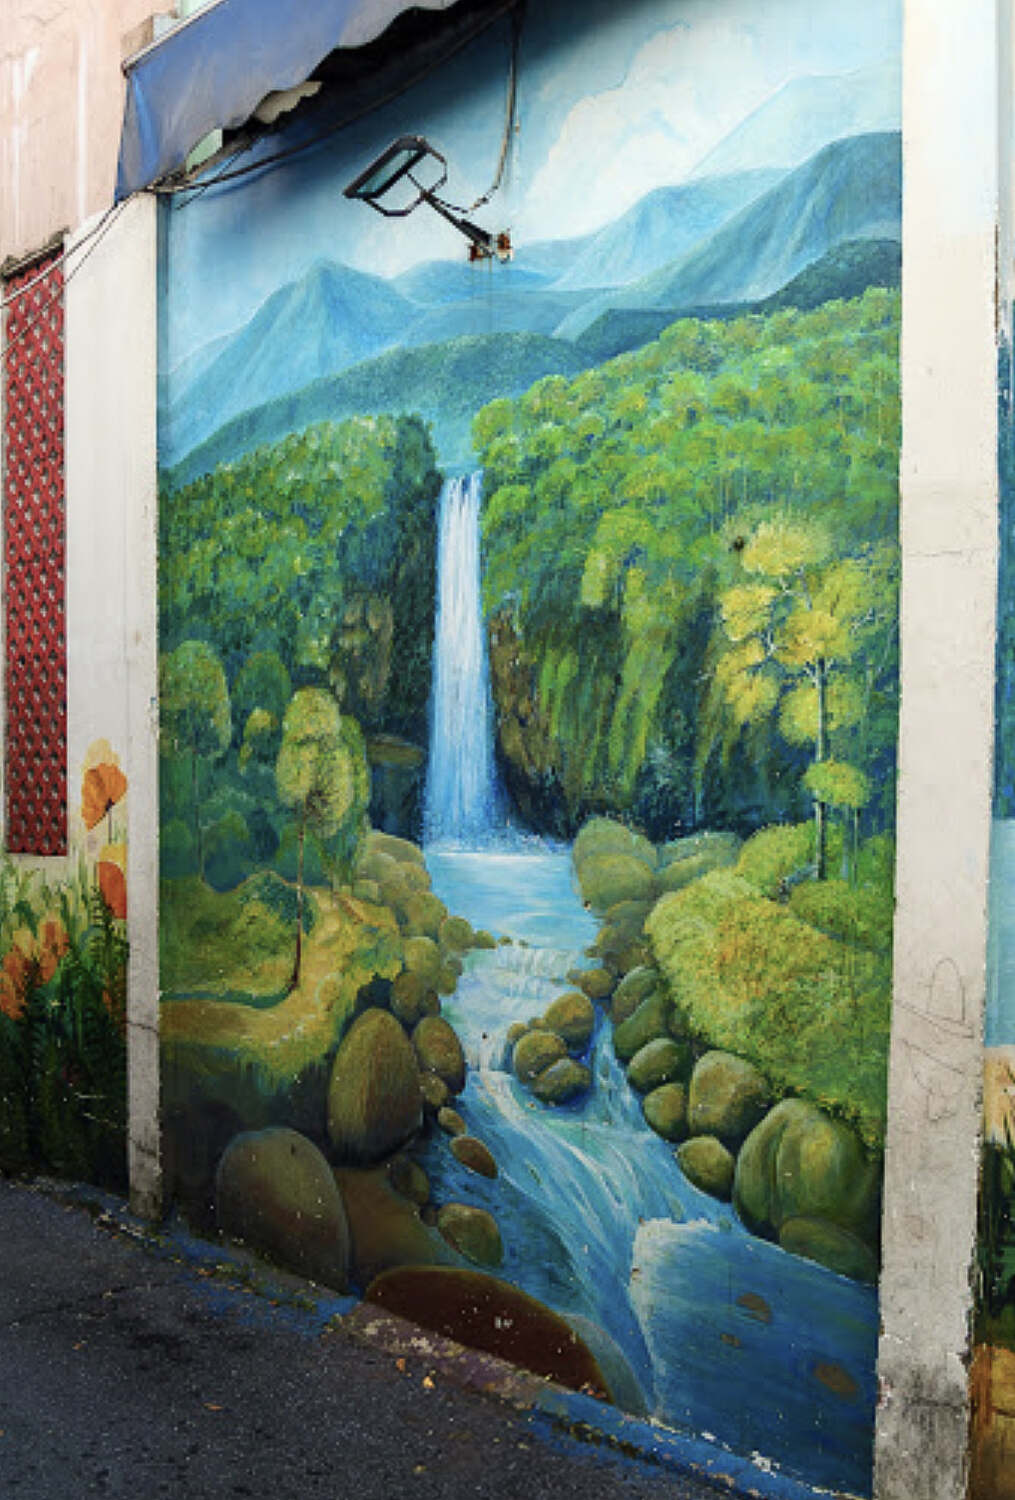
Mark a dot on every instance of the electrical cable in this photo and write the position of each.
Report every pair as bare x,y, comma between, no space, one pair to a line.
96,238
510,118
513,7
82,240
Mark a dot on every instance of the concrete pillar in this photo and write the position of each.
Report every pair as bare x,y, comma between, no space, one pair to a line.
952,109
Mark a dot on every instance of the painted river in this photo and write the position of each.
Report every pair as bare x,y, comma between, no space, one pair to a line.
725,1335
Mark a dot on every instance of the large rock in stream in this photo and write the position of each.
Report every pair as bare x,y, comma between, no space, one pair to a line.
800,1165
374,1099
728,1097
274,1191
485,1313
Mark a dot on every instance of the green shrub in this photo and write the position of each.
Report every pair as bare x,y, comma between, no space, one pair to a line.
861,916
751,977
773,854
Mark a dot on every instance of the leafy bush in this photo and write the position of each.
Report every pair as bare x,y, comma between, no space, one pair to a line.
751,977
772,855
63,1057
861,916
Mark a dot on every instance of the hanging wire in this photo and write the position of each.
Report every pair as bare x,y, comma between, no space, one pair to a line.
513,7
96,237
22,291
510,118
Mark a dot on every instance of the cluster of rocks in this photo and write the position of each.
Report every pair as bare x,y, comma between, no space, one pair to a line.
545,1052
391,872
794,1174
347,1201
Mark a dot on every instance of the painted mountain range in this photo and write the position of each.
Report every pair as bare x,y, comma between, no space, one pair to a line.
338,340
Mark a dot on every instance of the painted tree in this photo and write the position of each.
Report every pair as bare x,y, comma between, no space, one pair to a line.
319,775
195,714
792,623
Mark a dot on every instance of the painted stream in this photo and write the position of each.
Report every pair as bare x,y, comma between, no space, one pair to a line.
725,1335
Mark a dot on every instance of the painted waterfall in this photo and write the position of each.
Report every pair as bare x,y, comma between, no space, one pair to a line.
461,784
528,695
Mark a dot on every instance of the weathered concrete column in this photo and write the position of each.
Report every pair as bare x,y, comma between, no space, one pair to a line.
951,116
112,512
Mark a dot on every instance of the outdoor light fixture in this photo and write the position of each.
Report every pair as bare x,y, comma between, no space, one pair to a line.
399,163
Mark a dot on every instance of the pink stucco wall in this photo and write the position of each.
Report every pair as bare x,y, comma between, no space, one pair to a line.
61,102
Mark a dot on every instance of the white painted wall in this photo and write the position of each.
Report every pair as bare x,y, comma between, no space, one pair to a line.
111,332
949,561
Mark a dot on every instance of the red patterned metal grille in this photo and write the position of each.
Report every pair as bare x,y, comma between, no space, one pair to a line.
34,556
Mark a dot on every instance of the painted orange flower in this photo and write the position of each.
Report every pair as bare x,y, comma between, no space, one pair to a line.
52,945
111,870
26,950
101,789
13,982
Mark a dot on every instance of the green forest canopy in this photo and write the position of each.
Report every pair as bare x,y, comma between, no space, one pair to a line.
620,508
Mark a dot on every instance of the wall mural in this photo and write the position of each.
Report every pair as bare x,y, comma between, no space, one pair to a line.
993,1371
528,689
63,996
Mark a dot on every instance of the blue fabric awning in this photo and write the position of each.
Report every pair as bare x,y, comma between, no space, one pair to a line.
213,71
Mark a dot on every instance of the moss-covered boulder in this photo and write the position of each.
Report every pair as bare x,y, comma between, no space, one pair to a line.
535,1051
439,1051
472,1153
408,1178
573,1018
450,1121
647,1022
447,977
674,877
665,1110
488,1314
635,987
601,836
274,1191
423,957
398,849
425,914
515,1032
472,1232
456,934
483,939
434,1090
831,1246
628,917
707,1163
798,1163
660,1061
727,1098
607,878
387,1227
408,997
374,1099
597,984
562,1081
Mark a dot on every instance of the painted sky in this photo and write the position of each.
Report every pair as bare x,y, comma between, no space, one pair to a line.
635,98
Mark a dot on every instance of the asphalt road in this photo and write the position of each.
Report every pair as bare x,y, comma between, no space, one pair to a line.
127,1370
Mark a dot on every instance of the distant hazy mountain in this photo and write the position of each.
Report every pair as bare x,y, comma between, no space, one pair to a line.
844,272
660,227
445,383
535,311
851,190
805,115
434,282
333,317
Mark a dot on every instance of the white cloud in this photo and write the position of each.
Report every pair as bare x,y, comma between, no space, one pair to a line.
651,128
